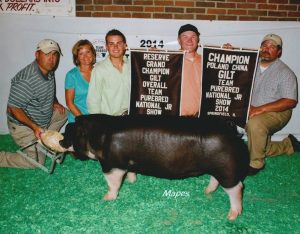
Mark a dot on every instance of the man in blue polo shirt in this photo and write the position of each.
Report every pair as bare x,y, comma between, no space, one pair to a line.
32,104
273,98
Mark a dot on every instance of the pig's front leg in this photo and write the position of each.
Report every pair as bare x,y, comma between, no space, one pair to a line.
235,197
131,177
114,180
212,186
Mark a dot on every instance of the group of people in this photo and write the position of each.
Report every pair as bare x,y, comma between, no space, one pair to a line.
104,88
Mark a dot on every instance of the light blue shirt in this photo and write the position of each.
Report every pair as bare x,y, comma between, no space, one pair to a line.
74,80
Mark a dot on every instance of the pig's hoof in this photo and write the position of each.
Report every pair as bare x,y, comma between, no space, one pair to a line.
233,214
208,191
131,177
109,197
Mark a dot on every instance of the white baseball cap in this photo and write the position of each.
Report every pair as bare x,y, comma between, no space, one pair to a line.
274,38
48,45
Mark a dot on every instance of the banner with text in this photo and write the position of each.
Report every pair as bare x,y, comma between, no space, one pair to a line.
155,82
227,78
39,7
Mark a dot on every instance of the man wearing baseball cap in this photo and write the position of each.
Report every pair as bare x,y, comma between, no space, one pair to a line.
48,45
188,39
274,96
32,104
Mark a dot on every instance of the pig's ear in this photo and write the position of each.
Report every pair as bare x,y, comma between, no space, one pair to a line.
68,136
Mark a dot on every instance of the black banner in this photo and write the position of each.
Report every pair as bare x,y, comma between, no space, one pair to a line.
155,82
227,77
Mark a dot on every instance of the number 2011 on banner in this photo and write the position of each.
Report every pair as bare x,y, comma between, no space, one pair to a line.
151,44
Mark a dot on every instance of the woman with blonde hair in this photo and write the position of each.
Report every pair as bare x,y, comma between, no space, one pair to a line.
78,79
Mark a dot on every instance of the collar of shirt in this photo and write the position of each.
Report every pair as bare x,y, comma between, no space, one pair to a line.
196,58
50,74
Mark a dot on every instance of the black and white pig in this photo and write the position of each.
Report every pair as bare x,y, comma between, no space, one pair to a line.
166,147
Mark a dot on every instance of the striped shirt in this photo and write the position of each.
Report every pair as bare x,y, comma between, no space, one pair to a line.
34,93
276,82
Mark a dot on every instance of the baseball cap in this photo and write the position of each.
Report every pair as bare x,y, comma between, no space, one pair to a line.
273,37
188,27
48,45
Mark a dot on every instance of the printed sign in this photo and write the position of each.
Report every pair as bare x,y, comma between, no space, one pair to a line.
227,83
155,82
38,7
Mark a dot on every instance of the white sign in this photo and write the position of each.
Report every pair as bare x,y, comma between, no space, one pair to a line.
38,7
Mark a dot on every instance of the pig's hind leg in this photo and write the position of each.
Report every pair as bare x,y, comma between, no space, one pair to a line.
114,180
235,197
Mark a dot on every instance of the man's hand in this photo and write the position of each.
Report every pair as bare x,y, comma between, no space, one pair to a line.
38,131
227,46
57,106
282,104
255,111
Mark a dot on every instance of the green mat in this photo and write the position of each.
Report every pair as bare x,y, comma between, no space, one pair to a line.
69,201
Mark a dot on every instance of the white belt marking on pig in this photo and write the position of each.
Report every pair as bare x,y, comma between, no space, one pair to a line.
71,149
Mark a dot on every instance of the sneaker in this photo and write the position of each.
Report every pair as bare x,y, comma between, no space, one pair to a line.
295,143
253,171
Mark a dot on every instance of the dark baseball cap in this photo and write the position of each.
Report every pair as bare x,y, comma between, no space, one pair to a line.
188,27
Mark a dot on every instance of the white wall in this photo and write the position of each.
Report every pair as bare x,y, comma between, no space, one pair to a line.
21,33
